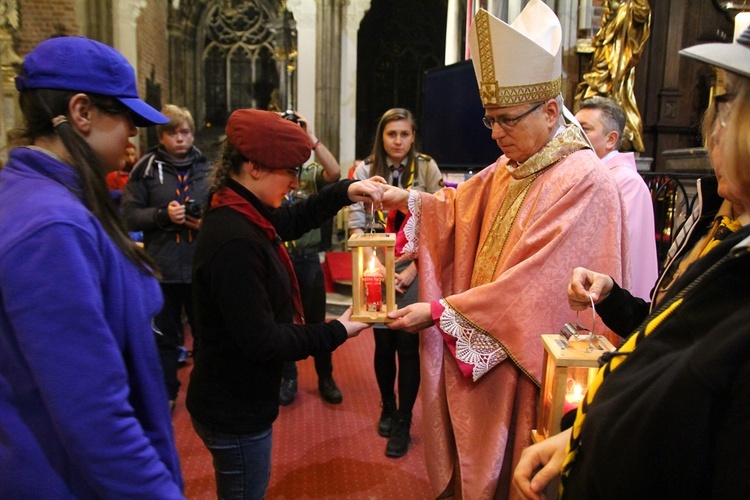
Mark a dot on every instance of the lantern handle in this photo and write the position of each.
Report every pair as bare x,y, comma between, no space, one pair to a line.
593,325
572,329
370,219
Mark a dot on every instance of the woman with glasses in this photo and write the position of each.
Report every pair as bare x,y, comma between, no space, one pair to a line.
667,415
249,316
395,158
82,411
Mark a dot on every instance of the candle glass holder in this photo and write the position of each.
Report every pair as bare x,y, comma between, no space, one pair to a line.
568,370
373,290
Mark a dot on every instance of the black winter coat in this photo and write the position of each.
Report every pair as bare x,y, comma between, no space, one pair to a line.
673,420
152,185
244,315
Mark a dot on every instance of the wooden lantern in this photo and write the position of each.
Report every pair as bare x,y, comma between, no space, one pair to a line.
569,368
368,304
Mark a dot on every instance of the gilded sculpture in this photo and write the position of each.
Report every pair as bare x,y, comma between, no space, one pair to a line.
617,49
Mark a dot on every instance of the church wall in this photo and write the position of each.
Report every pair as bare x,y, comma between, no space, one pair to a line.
42,19
153,48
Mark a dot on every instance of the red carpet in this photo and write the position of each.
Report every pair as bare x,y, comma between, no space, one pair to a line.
321,450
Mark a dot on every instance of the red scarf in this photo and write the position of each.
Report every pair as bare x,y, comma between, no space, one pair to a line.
227,197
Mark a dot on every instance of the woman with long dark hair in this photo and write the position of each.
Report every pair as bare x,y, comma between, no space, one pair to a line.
83,412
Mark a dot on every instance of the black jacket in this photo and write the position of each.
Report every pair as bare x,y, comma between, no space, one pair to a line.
621,311
673,420
243,309
152,185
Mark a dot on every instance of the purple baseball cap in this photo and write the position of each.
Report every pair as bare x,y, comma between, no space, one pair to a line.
79,64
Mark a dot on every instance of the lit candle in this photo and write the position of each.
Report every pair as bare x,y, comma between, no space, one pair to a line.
373,279
741,22
573,399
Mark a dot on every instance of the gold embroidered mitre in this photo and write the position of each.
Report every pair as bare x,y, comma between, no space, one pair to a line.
517,63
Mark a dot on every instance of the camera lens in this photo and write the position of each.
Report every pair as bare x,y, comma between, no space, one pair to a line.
289,115
193,209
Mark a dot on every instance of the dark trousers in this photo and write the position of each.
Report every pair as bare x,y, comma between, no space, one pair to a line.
170,333
313,290
390,344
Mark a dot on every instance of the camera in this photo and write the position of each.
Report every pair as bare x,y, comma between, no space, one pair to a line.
193,209
290,115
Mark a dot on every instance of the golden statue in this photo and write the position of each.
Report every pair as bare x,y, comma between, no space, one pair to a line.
617,49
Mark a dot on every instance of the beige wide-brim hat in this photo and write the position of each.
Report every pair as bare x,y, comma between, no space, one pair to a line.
734,57
517,63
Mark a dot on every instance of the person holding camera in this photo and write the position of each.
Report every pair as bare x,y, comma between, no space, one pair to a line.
164,197
304,253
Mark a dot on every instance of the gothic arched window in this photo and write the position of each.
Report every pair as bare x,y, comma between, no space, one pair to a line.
240,71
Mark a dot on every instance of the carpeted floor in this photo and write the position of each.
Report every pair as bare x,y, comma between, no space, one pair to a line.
322,451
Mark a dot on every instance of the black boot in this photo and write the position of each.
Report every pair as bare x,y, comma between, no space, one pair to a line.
287,391
385,424
398,443
330,391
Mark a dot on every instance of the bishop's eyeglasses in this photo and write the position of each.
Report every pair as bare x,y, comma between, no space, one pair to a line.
509,123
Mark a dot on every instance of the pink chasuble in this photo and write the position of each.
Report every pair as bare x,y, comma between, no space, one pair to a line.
570,216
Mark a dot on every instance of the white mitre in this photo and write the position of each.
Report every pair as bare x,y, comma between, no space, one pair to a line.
517,63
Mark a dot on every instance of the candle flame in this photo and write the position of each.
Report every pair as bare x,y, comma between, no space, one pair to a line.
578,392
371,265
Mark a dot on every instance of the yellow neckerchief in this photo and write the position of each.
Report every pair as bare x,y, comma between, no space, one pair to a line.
614,361
405,180
523,176
722,223
726,227
627,348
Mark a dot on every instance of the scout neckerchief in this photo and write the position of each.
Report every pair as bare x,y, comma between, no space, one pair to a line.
183,193
523,176
399,175
616,358
721,227
226,197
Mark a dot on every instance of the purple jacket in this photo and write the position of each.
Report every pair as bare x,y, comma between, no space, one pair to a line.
83,410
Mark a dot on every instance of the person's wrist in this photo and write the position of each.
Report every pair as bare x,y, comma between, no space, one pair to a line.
316,143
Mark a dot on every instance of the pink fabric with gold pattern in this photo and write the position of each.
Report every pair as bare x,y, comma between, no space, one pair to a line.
571,217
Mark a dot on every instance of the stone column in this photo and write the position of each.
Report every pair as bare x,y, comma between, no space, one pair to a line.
99,20
328,73
354,11
453,43
304,14
124,39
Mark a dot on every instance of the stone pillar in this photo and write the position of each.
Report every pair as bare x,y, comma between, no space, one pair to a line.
567,13
124,38
354,11
328,73
175,39
99,20
304,14
453,40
